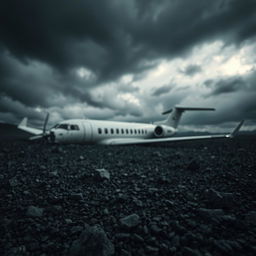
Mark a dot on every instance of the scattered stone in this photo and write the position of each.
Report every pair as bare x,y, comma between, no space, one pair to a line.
130,221
34,211
13,182
138,203
76,196
250,218
53,174
56,209
122,236
191,252
227,246
219,200
68,221
215,215
138,238
155,229
175,242
102,174
151,249
193,166
93,241
76,229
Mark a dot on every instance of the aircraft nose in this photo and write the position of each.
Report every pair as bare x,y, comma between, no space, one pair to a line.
52,137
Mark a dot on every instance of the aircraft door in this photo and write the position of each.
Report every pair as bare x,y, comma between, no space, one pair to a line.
88,136
76,133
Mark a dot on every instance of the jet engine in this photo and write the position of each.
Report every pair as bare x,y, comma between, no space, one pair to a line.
160,131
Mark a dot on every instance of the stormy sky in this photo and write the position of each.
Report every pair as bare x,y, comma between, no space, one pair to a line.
128,60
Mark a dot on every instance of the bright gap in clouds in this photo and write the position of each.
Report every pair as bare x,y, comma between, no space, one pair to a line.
214,59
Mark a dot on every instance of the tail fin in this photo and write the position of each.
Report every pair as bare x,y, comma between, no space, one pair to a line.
176,112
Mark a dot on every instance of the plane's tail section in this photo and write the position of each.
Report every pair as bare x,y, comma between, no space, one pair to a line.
176,112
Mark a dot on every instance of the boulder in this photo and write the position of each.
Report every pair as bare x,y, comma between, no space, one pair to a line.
93,241
130,221
102,174
34,211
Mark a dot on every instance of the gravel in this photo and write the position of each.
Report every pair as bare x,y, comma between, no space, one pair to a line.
193,198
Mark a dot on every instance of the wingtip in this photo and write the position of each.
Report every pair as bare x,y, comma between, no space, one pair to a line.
236,130
23,122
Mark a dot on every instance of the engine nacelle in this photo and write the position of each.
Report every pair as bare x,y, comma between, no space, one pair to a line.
159,131
163,131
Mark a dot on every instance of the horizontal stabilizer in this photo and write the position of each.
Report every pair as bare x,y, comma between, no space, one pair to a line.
180,108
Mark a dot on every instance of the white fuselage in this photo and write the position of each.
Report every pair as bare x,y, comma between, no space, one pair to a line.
99,132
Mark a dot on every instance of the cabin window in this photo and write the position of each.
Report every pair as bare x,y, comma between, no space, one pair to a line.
131,131
135,131
74,127
122,131
63,126
112,130
106,130
99,131
117,131
139,131
142,131
146,131
127,131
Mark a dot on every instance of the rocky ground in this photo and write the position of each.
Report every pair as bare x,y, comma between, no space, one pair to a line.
193,198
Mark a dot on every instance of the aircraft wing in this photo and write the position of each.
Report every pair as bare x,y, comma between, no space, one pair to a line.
23,126
130,141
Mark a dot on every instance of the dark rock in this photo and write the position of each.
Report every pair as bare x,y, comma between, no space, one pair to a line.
34,211
138,238
102,174
13,182
76,196
93,241
193,166
211,214
151,249
125,253
76,229
227,246
138,203
219,200
250,218
122,236
191,252
55,209
175,242
53,174
155,229
130,221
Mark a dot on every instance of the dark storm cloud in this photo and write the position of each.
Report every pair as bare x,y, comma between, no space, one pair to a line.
233,98
191,70
228,86
43,43
232,84
112,37
162,90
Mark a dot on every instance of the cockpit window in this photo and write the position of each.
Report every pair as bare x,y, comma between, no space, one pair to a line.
63,126
74,127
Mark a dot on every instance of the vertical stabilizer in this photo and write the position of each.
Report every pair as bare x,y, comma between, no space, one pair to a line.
175,114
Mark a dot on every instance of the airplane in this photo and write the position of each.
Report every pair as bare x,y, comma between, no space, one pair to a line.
87,131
